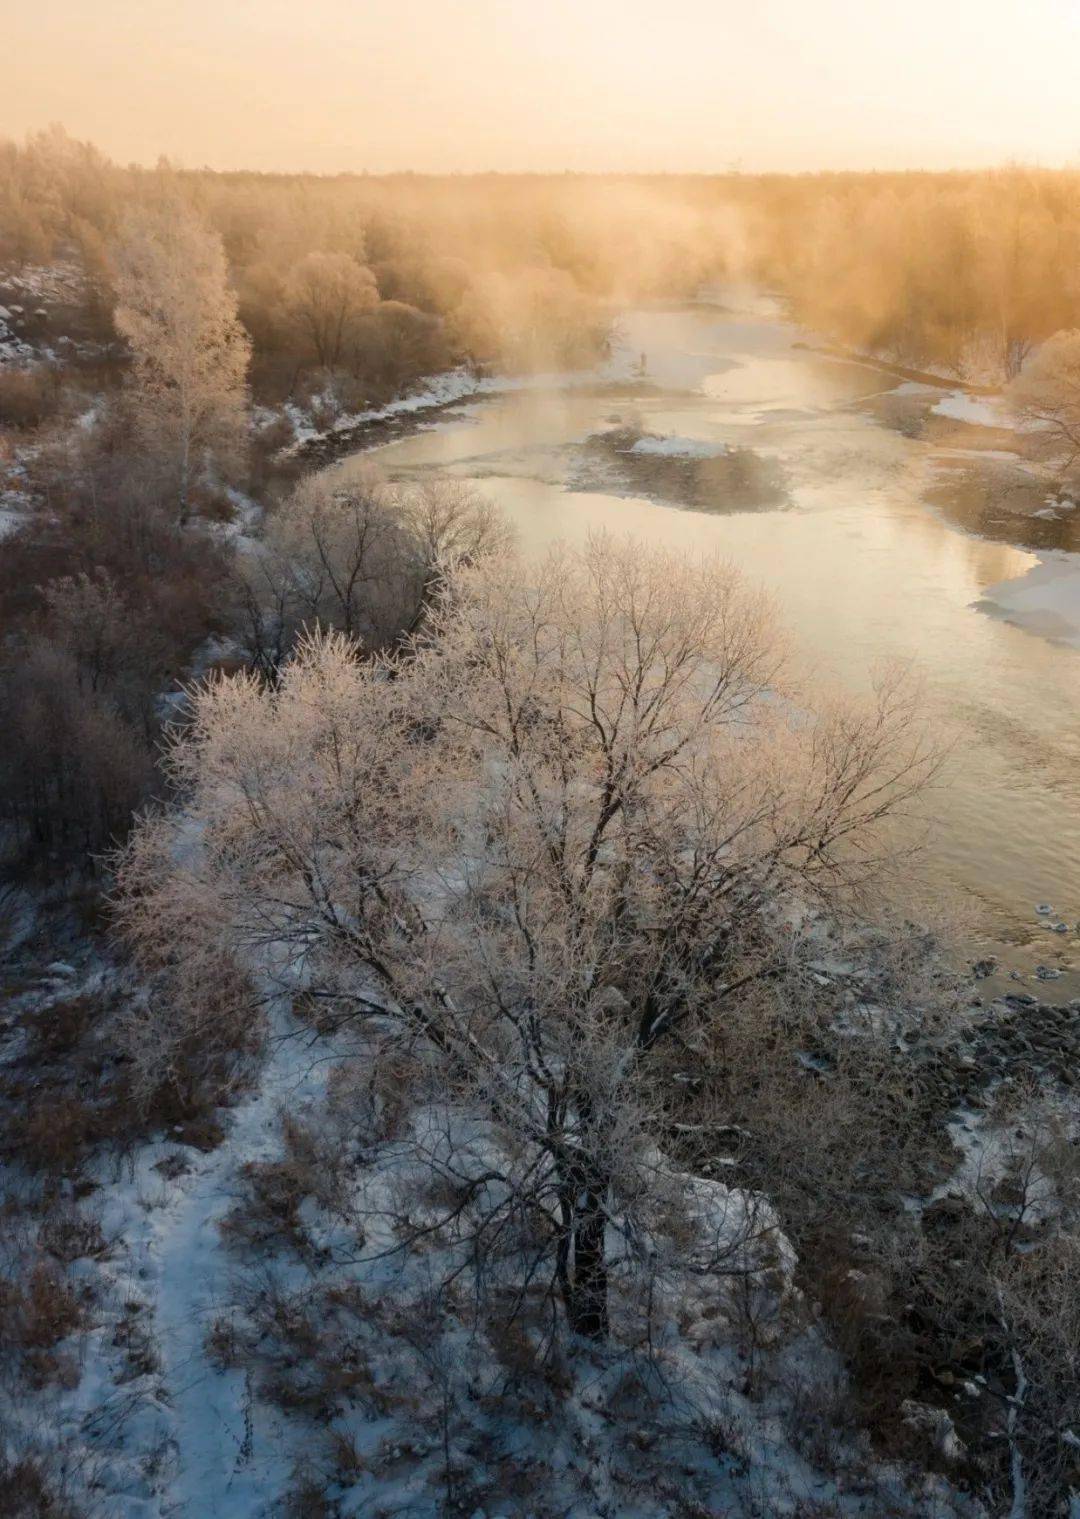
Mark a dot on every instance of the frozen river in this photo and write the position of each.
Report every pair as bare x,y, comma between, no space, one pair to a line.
885,527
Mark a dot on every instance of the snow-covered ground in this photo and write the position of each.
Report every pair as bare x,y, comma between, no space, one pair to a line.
360,1374
14,509
61,282
13,349
171,1434
26,298
231,1460
16,502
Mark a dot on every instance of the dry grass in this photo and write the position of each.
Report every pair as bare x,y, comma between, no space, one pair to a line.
28,397
30,1489
38,1310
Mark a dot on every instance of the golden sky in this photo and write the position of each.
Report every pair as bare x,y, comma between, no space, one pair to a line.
696,85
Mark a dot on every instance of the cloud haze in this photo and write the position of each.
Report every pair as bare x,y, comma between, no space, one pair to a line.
697,85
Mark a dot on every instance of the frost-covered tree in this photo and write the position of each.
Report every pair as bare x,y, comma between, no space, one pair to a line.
360,556
1046,394
175,307
556,841
328,293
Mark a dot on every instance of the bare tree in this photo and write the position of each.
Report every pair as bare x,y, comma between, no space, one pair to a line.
1046,394
566,833
345,557
73,767
328,293
452,523
190,354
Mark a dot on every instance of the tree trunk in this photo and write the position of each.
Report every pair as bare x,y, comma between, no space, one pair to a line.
185,468
589,1286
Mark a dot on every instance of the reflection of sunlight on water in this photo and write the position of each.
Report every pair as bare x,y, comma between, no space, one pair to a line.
778,384
862,573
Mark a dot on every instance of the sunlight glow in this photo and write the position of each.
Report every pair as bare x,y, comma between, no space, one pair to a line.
691,86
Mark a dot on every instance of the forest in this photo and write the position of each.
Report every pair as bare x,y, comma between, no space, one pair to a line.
547,959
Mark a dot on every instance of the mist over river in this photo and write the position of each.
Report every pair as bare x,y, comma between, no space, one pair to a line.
883,528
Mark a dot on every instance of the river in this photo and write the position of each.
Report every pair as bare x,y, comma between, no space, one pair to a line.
881,529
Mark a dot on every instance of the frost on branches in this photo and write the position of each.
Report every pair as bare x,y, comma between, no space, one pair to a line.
538,857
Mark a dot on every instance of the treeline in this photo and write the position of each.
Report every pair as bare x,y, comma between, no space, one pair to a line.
382,277
364,285
967,272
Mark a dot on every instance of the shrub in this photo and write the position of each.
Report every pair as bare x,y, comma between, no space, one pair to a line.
30,1488
73,769
28,397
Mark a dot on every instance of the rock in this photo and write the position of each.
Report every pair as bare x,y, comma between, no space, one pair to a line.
1047,972
1060,928
983,968
1044,909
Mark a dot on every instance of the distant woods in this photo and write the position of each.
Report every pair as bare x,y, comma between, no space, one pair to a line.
348,289
963,272
373,281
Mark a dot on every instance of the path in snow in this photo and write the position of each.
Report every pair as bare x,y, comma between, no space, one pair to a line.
233,1458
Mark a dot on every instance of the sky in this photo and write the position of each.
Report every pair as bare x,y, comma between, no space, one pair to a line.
586,85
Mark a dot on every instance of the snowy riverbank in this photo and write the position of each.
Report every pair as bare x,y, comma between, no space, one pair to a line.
1044,600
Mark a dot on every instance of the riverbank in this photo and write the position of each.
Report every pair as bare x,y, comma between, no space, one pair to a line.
432,395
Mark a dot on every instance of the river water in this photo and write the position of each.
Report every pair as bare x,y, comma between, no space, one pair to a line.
843,493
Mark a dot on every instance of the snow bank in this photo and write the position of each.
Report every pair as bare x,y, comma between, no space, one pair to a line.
435,391
980,411
678,448
453,385
1044,600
